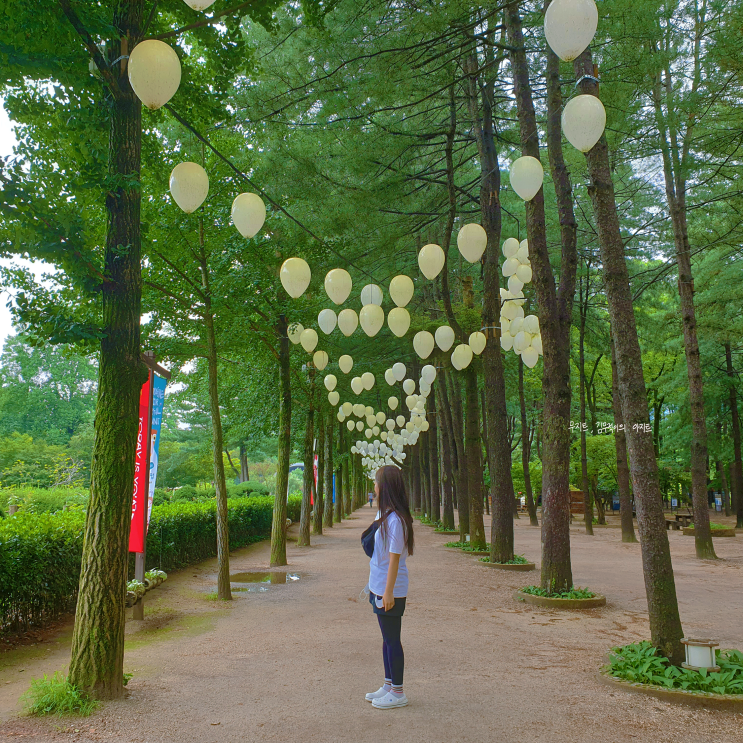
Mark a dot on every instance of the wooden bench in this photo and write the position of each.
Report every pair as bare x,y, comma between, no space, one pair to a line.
673,524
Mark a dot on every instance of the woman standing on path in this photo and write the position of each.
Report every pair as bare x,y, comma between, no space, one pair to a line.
388,581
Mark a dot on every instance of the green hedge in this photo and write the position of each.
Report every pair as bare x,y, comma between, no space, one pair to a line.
40,554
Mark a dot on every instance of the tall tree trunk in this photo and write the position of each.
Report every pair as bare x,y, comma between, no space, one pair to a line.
341,474
309,461
526,451
555,311
587,503
447,475
620,445
433,461
346,495
463,503
736,468
278,525
97,661
474,458
317,512
486,444
415,478
660,586
244,469
328,510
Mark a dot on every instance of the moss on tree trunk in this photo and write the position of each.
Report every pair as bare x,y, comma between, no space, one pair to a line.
278,526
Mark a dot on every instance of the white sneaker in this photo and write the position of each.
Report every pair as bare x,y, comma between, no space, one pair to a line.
390,700
378,694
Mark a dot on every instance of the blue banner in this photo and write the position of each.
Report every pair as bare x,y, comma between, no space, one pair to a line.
158,402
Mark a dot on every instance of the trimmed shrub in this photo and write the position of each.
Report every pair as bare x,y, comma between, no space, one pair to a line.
40,554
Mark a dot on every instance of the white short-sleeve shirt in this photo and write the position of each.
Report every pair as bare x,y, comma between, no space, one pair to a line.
380,560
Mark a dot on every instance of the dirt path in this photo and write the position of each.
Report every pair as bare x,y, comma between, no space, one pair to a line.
294,662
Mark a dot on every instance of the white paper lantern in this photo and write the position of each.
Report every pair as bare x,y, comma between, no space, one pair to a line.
510,247
189,186
526,177
327,320
347,409
389,377
371,319
154,72
399,371
248,214
408,386
330,382
510,266
398,320
444,337
295,276
308,339
345,363
350,425
348,321
523,274
461,356
536,344
423,343
431,260
371,294
514,284
338,285
530,357
583,121
570,26
392,403
428,372
320,360
477,342
367,379
506,341
294,332
333,398
531,324
357,385
401,290
472,241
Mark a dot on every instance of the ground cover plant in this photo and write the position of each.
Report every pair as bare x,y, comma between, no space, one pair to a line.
639,662
55,695
573,593
515,560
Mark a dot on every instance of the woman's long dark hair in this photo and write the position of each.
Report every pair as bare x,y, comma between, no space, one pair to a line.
394,499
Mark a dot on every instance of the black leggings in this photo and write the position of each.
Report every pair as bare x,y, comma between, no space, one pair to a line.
394,658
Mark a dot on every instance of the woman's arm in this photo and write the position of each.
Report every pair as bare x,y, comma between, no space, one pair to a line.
388,600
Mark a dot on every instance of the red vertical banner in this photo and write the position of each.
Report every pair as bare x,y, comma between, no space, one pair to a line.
141,471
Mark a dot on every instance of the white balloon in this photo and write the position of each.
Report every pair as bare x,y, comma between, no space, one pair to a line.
524,274
347,409
520,341
570,26
517,325
308,339
371,421
531,324
358,410
295,276
189,186
348,321
411,401
509,310
383,436
350,425
431,260
381,417
461,356
199,4
248,214
367,379
375,430
530,357
345,363
510,266
389,377
526,177
477,342
392,403
505,325
399,371
472,241
330,382
522,254
368,410
398,320
510,247
294,332
408,386
400,420
428,372
584,121
401,290
390,424
444,337
154,72
425,426
357,385
371,294
320,360
409,426
327,320
536,344
333,397
338,285
341,416
514,284
423,343
359,425
506,341
371,319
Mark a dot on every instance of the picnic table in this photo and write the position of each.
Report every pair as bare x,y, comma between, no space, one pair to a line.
681,521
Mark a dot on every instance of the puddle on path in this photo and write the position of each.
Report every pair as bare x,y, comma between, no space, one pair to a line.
259,582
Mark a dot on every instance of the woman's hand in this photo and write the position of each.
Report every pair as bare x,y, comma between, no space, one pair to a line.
388,600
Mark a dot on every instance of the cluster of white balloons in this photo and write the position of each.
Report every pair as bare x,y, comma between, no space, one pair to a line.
385,446
519,333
